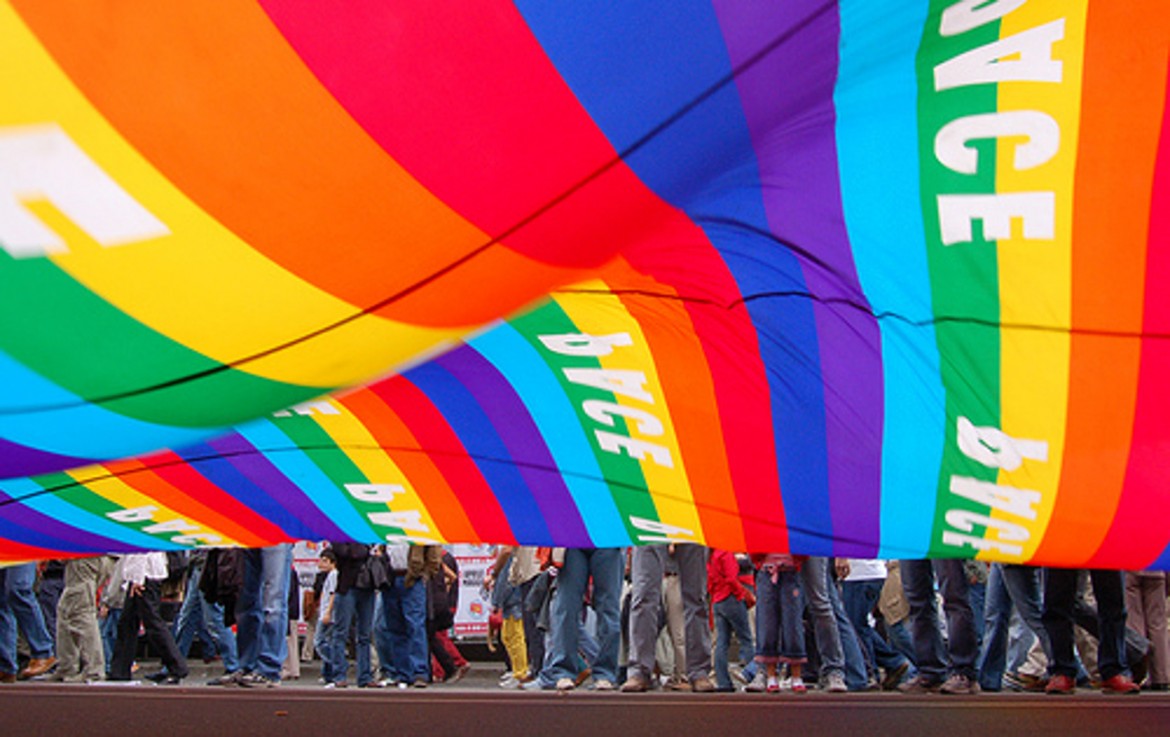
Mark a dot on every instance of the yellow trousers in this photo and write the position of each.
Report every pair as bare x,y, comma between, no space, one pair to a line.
513,636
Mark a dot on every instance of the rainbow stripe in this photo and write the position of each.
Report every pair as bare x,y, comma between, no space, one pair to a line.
860,279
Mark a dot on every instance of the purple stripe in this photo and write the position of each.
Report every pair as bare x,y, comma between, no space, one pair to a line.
30,527
506,411
788,100
285,495
20,460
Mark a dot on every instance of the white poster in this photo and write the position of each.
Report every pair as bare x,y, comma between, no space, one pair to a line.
471,618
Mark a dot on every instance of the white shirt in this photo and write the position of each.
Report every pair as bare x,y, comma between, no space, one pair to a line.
862,569
137,567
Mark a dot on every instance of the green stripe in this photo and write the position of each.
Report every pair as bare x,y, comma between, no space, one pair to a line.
320,448
964,277
74,338
623,475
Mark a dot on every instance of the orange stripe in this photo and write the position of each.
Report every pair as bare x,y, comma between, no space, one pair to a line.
690,399
139,476
396,439
1119,130
215,98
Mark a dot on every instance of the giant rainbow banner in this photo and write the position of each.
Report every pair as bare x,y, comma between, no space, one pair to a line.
843,278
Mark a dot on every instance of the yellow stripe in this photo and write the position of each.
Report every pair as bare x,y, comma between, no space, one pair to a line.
670,489
363,450
120,493
201,285
1036,276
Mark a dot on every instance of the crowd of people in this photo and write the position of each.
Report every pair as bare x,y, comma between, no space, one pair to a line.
675,616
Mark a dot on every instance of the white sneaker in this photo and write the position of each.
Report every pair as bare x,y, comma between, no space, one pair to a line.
759,684
510,682
835,683
566,684
603,685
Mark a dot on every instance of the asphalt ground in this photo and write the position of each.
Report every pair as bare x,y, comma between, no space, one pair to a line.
478,706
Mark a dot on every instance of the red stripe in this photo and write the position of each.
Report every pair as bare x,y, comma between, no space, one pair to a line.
169,479
484,520
733,357
1139,532
396,439
462,95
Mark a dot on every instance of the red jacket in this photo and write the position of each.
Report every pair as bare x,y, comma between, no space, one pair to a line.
723,576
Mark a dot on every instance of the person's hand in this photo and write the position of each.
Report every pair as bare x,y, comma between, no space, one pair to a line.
842,565
136,589
326,619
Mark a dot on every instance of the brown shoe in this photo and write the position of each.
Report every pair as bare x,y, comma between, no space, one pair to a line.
703,684
636,683
37,667
582,677
678,684
7,678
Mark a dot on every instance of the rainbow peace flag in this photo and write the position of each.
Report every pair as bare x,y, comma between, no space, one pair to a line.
843,278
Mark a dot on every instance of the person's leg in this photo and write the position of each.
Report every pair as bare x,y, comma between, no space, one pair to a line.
276,573
414,612
855,669
646,572
127,642
1109,590
225,639
918,585
186,625
344,612
27,610
606,565
722,610
1024,587
814,580
1059,593
561,659
962,641
157,632
997,614
692,564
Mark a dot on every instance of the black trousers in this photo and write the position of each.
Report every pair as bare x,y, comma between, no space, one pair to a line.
1060,610
145,610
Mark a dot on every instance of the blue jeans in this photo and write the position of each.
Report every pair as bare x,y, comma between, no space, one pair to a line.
405,610
16,595
855,675
1008,586
605,565
859,599
730,616
918,583
383,642
323,644
814,580
109,629
354,607
1060,594
196,615
779,620
262,610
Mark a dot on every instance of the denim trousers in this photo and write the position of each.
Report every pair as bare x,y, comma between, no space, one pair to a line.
16,595
731,616
405,610
931,654
353,608
1008,587
855,673
605,566
814,581
198,616
1060,593
779,617
859,599
262,610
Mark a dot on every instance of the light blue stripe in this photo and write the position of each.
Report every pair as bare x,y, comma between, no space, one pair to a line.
296,465
82,430
877,140
557,421
53,506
